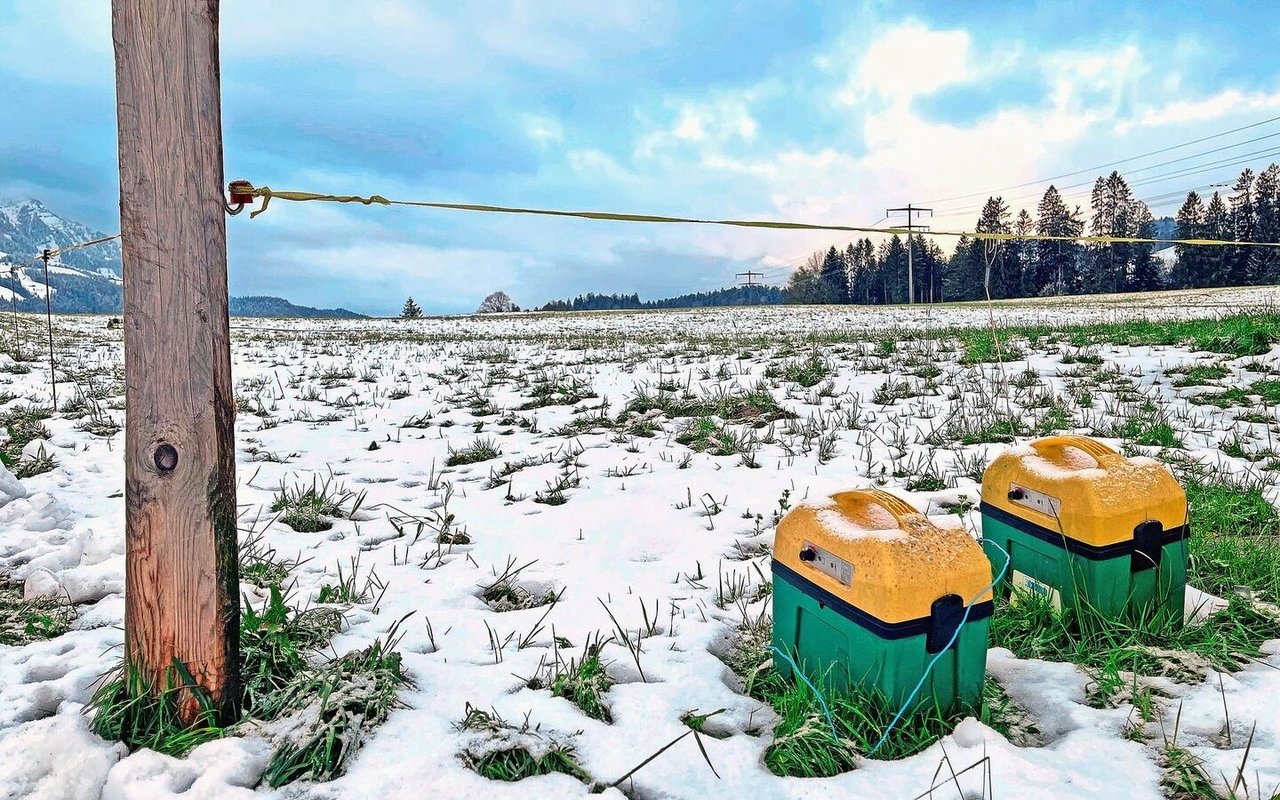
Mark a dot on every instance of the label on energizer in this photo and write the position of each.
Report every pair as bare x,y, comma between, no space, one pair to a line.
1029,586
829,563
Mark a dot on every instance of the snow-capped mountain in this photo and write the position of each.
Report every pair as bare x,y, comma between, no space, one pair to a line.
28,227
87,280
83,280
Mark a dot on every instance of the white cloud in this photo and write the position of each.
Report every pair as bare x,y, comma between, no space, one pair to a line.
1215,106
893,152
910,61
708,125
451,43
595,165
543,130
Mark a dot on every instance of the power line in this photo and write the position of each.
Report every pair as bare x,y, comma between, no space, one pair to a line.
1106,165
787,269
1185,172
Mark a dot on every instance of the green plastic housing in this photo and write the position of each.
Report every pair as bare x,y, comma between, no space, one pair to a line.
1119,584
838,648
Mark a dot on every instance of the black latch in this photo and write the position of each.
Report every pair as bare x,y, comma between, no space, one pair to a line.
1148,545
944,618
808,554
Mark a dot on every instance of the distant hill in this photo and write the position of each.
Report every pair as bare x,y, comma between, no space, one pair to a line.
88,281
264,306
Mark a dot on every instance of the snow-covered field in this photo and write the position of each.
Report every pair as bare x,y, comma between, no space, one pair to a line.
648,522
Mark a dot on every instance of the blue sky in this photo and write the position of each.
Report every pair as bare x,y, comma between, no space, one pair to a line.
816,111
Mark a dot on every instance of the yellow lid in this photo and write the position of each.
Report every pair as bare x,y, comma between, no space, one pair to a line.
1083,489
898,561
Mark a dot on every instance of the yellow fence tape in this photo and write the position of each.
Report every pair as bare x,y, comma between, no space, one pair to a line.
267,194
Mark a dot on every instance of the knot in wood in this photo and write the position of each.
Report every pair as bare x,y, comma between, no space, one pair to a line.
166,457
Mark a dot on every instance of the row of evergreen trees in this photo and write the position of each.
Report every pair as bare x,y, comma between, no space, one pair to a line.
1250,214
731,296
1027,267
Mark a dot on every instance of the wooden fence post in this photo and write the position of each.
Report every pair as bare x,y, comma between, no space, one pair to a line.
181,601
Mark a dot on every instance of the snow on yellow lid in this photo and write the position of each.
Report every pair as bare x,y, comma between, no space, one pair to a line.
1082,489
881,555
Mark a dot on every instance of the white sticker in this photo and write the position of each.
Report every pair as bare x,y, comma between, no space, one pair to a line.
1025,583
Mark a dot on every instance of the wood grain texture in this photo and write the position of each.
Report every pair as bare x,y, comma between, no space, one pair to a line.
181,576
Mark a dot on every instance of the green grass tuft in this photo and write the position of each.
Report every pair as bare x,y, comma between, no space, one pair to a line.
584,681
1150,645
311,509
127,708
981,347
518,763
807,371
278,643
1235,538
328,712
527,754
474,453
23,621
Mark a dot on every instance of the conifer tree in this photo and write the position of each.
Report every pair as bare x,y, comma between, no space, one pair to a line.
1023,253
1190,270
1111,264
411,310
1266,199
891,276
932,262
1240,267
1146,267
1217,225
834,277
964,274
1056,262
999,272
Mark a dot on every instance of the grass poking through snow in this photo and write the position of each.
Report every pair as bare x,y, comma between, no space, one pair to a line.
1235,539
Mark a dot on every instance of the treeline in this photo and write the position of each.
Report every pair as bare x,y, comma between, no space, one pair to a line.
1250,214
1025,267
731,296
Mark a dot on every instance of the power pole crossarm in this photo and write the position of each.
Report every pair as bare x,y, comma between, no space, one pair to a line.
910,226
181,582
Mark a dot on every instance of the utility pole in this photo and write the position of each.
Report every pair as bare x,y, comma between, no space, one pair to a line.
13,290
748,279
910,226
181,581
45,255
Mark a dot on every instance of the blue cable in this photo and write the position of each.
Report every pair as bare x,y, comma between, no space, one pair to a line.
911,697
821,701
927,670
